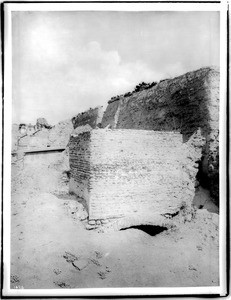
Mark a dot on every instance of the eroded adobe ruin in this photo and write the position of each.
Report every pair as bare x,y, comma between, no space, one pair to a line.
184,103
91,117
125,169
140,176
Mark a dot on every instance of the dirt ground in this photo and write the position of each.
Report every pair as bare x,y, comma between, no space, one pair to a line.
50,247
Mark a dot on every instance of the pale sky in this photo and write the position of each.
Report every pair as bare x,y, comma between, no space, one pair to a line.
67,62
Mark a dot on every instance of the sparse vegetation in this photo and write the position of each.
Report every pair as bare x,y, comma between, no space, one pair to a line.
144,86
140,87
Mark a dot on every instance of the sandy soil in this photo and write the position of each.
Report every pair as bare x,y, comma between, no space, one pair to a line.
50,247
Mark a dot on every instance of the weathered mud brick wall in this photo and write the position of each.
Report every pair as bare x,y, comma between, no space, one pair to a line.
136,174
92,117
185,103
79,158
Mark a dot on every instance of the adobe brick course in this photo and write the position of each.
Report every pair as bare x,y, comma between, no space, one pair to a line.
138,175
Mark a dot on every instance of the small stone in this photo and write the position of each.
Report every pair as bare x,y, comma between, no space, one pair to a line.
108,269
188,218
91,222
90,227
197,183
80,264
102,275
192,268
98,222
104,221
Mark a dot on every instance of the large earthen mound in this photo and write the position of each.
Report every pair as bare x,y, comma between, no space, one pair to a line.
184,104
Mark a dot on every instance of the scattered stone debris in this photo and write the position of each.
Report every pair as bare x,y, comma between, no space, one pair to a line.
91,222
104,221
90,227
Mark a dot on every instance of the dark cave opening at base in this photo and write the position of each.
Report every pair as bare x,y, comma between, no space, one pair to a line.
149,229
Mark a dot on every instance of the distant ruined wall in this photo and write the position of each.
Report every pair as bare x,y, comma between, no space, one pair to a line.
38,140
59,134
15,135
185,103
90,117
137,175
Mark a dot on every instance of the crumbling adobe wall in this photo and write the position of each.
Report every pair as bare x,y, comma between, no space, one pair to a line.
42,123
137,175
38,140
185,103
15,136
79,158
91,117
59,134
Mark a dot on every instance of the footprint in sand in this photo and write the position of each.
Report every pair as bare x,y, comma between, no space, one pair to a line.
62,285
57,271
14,279
98,254
102,275
96,262
70,257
